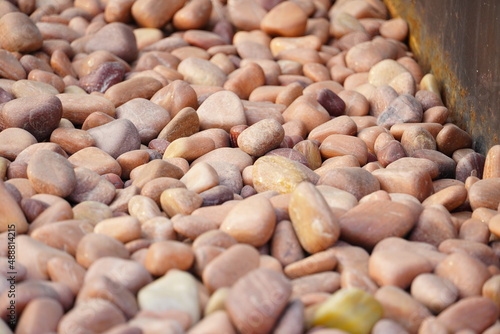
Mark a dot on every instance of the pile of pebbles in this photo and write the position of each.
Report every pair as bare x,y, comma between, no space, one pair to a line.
239,166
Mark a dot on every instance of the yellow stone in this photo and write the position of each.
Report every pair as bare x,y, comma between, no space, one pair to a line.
352,310
429,82
280,174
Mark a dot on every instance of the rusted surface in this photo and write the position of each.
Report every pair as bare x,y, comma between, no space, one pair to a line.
459,42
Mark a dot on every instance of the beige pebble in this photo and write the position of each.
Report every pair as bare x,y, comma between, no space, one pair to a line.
312,220
180,201
179,255
21,34
123,229
387,267
41,314
94,246
401,307
465,272
189,148
221,110
248,225
485,194
492,162
295,24
434,225
475,313
436,293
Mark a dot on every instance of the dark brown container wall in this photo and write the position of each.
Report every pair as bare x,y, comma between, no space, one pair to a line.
459,42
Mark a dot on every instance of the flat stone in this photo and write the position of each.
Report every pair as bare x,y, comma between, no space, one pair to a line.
77,107
94,246
415,182
15,70
426,287
13,141
354,180
149,13
258,285
459,315
386,219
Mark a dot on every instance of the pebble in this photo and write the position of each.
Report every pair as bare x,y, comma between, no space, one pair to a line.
261,137
318,262
315,226
434,226
451,197
436,293
90,186
72,140
96,160
338,145
400,306
452,138
387,267
229,175
41,314
116,137
127,273
94,246
51,173
148,117
354,180
280,174
473,313
155,169
384,72
471,164
123,229
180,201
245,79
466,272
28,88
308,110
104,288
94,315
227,268
256,301
77,107
184,124
492,162
16,70
342,125
403,109
72,231
247,225
39,115
221,110
197,71
148,13
115,37
363,56
189,148
352,310
135,87
20,33
396,28
485,194
386,219
285,246
66,271
273,23
415,182
229,155
417,138
446,165
102,77
13,141
200,178
177,290
213,322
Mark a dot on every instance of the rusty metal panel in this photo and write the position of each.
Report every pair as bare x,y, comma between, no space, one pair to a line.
459,42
